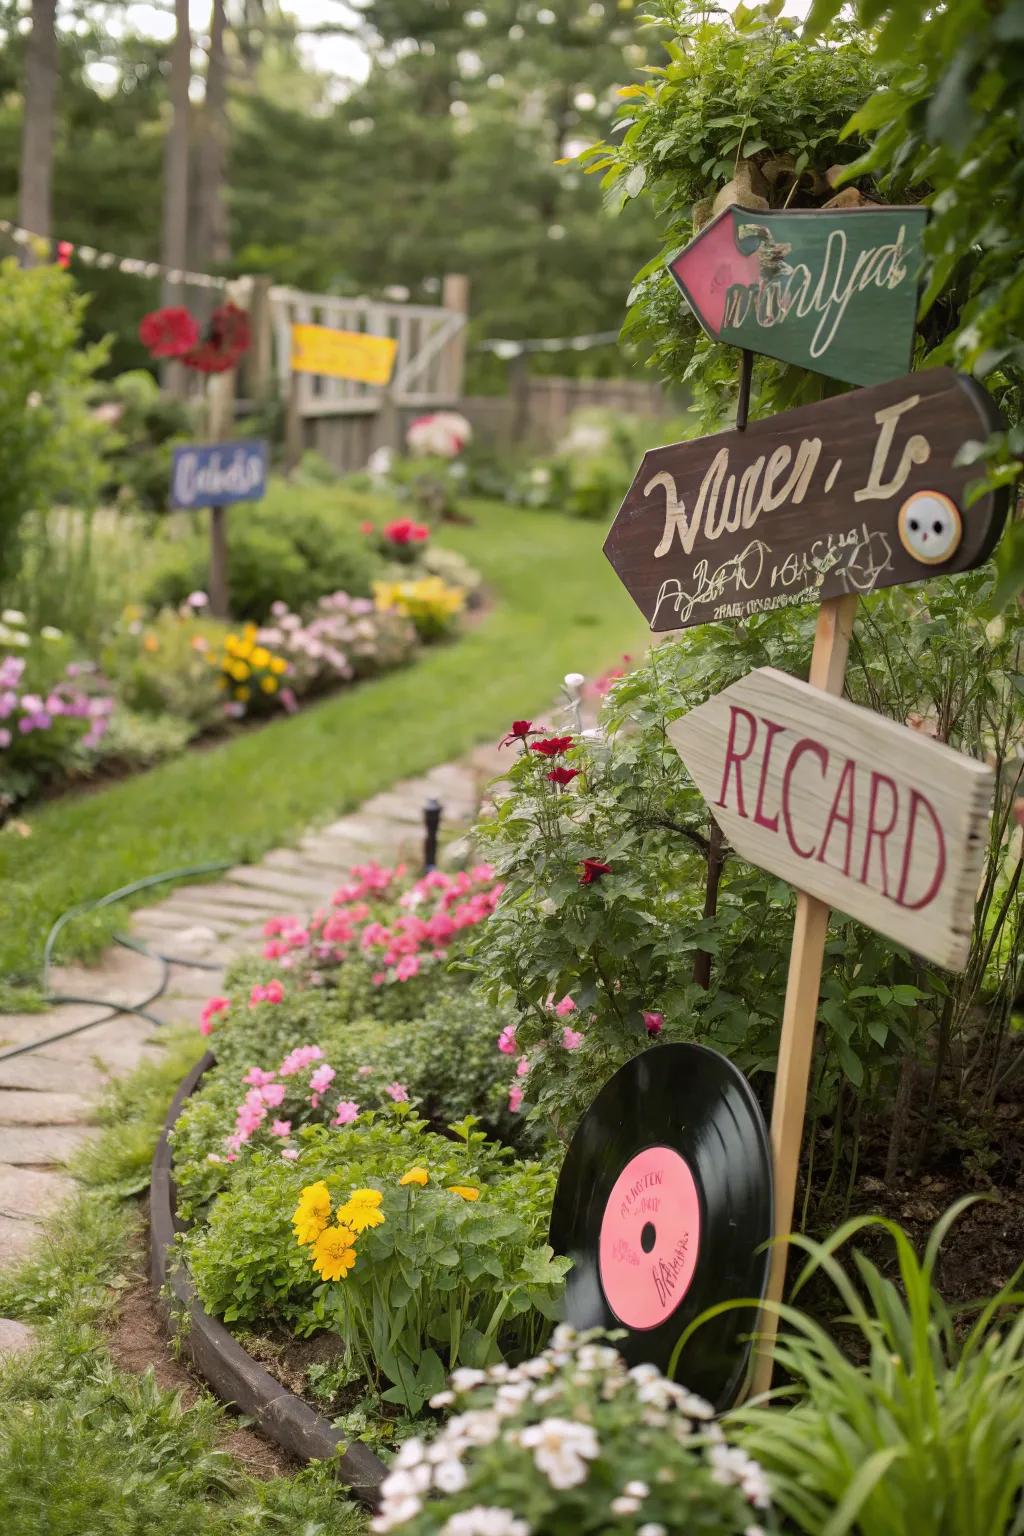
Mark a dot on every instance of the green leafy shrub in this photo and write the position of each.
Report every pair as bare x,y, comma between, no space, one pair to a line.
146,424
456,1266
927,1434
573,1442
161,665
292,547
49,443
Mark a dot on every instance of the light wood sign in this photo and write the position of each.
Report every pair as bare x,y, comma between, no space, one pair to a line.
833,289
343,354
835,499
856,810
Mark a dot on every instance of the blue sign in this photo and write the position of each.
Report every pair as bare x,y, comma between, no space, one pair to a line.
216,474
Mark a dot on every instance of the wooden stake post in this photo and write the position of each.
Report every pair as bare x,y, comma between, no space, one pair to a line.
221,422
800,1011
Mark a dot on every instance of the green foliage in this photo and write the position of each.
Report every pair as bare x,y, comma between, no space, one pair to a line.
469,1278
743,102
926,1432
291,548
147,423
48,442
160,666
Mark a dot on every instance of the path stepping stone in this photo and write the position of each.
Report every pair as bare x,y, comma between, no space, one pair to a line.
16,1338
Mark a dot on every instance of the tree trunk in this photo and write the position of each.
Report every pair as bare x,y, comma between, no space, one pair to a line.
212,245
35,193
174,234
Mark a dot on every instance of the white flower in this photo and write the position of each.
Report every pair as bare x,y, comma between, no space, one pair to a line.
442,1399
995,629
405,1483
379,462
450,1476
466,1377
564,1336
33,400
652,1528
540,475
561,1449
636,1489
49,632
624,1506
732,1467
483,1520
478,1427
410,1452
394,1512
751,1530
13,616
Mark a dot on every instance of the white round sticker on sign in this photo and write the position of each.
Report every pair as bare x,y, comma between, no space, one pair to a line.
930,527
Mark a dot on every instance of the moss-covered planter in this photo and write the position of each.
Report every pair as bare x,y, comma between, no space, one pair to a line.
231,1373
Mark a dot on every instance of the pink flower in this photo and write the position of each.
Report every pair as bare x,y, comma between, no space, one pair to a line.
273,1094
397,1092
515,1099
572,1039
257,1077
407,967
281,1128
322,1078
379,978
364,1071
654,1022
507,1040
210,1011
273,992
522,1066
347,1111
291,1153
298,1059
565,1007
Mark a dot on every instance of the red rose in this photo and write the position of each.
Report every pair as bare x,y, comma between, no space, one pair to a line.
168,332
563,776
521,729
552,746
653,1022
400,531
593,869
418,532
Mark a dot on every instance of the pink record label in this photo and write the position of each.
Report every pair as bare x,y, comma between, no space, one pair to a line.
650,1238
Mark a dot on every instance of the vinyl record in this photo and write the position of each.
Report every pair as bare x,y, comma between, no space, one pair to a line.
664,1205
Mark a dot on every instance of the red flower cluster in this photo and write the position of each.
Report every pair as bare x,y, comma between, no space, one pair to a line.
563,776
404,531
174,332
593,869
436,909
552,746
168,332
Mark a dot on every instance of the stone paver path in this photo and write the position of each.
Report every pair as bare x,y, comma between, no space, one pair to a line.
46,1095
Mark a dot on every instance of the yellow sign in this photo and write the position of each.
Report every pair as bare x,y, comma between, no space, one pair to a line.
343,354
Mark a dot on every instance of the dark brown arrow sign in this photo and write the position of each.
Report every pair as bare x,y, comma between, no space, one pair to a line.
840,498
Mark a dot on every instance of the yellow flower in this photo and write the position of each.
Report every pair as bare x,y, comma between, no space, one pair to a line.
268,684
334,1253
260,656
415,1176
464,1190
240,671
361,1210
230,644
250,631
278,665
312,1212
242,695
245,651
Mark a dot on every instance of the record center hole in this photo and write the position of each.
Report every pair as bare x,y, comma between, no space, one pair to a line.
648,1237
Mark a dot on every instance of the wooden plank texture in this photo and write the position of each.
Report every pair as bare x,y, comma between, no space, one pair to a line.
832,289
842,497
865,814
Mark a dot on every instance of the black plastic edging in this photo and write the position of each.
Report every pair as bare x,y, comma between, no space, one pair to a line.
233,1375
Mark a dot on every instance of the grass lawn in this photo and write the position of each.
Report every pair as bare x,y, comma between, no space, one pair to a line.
558,608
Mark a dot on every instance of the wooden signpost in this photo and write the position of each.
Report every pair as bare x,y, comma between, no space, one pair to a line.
820,504
834,290
844,497
856,810
343,354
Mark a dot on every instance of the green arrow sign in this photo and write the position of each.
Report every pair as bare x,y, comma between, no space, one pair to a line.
834,290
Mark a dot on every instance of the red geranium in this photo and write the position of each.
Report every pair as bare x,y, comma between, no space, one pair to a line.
521,729
593,869
225,343
168,332
552,746
405,531
563,776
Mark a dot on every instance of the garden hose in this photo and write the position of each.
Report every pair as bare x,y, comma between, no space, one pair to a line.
165,961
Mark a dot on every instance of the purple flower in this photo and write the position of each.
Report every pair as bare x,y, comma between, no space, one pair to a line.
5,739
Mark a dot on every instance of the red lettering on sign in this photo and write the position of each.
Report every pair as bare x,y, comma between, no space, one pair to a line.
732,757
917,802
771,822
845,786
803,745
878,832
